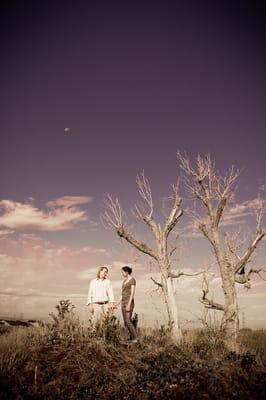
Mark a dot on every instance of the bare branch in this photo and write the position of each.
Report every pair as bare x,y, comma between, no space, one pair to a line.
208,184
205,232
186,165
173,249
208,303
157,283
242,279
145,211
258,271
234,243
219,211
175,213
145,193
224,185
114,219
211,304
203,176
143,247
243,260
113,216
259,207
174,275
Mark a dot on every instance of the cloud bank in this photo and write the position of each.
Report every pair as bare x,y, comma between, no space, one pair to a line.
62,214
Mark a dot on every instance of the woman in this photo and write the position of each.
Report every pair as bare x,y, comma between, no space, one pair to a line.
127,302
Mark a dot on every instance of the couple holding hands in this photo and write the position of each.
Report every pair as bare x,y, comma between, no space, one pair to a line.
101,297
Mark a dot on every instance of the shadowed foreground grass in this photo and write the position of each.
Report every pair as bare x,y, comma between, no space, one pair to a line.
66,359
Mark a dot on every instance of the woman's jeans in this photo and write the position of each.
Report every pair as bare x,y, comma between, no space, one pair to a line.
127,317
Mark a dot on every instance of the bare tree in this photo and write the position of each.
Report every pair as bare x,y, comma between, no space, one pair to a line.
116,219
215,192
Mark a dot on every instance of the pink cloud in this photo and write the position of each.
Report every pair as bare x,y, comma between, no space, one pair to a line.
16,215
69,201
6,232
240,211
28,251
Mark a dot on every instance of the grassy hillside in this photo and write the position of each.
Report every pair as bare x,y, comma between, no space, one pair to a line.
66,359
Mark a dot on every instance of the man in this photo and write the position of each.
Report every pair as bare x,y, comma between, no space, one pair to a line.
100,294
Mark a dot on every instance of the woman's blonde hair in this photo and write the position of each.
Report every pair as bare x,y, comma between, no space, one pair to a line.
101,269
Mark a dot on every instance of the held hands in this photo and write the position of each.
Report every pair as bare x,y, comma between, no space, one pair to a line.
112,307
115,305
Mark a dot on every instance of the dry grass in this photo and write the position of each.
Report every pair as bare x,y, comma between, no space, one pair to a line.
67,359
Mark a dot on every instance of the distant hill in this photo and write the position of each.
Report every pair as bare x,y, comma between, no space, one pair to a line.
18,322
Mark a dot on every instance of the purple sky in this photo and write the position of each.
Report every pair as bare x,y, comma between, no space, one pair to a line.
134,82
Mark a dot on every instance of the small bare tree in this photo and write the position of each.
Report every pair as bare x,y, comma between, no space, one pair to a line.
116,219
215,192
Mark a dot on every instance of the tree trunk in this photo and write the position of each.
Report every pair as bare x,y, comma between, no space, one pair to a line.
167,283
172,309
231,313
172,312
